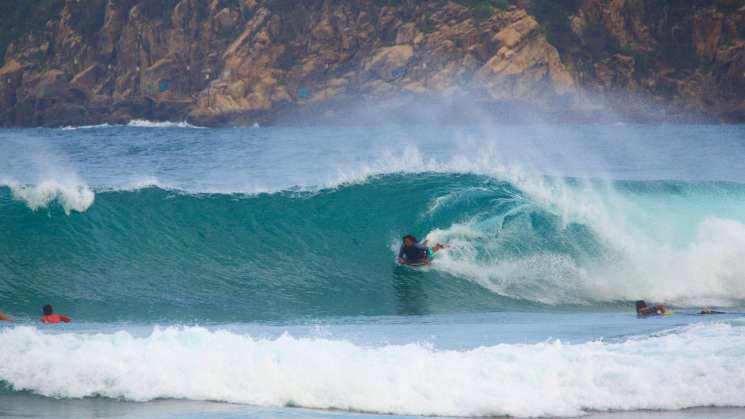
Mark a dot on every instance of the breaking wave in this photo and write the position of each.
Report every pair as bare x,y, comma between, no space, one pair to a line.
698,365
513,244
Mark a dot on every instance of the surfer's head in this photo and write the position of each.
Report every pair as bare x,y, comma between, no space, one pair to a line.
47,309
409,240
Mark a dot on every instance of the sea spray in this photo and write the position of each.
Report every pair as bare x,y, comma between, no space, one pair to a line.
39,175
71,197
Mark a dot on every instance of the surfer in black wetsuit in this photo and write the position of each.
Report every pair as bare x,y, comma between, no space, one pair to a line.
643,310
414,253
708,310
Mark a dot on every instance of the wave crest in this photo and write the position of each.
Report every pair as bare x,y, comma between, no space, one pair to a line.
70,196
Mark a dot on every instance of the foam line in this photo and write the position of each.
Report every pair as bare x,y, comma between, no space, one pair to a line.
698,365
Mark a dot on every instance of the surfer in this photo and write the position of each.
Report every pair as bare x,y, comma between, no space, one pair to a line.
643,310
50,317
708,310
5,318
414,253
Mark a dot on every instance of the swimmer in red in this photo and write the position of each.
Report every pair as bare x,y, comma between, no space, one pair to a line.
5,318
50,317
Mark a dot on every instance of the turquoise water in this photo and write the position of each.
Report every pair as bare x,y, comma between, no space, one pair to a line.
251,271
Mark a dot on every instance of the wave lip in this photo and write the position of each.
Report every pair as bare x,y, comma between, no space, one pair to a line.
697,365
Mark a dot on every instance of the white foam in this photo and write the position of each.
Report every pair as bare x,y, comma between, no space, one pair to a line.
706,270
138,123
474,254
144,182
696,366
143,123
72,128
71,196
47,177
649,252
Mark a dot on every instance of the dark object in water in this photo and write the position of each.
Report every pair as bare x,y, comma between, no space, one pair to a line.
643,310
707,310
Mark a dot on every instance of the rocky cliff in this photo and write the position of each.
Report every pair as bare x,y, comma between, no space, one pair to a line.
226,62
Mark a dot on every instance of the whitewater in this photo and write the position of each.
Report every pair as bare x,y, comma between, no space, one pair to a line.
252,271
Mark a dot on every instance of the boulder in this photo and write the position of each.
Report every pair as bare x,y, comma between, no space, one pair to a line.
707,30
532,71
226,21
88,79
62,114
516,32
10,79
388,63
614,73
730,67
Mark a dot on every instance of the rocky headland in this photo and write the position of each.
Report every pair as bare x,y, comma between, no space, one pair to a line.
235,62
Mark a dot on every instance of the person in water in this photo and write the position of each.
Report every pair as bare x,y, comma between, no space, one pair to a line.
414,253
50,317
5,318
708,310
643,310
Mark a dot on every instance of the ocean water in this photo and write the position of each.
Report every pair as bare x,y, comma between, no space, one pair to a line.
250,272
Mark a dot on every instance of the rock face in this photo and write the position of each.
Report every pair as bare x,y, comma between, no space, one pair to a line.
649,59
227,62
525,66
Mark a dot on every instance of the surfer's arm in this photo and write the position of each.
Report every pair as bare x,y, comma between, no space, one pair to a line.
65,318
438,247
